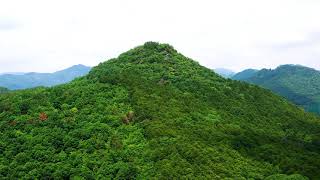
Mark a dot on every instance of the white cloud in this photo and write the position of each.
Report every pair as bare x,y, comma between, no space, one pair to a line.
231,33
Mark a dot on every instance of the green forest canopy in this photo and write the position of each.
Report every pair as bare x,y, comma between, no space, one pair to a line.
299,84
154,113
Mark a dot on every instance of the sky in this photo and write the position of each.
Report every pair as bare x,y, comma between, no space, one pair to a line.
46,35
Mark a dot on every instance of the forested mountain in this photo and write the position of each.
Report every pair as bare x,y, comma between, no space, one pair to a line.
299,84
29,80
3,90
248,73
227,73
152,113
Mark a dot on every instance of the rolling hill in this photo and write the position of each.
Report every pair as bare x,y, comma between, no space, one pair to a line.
29,80
299,84
152,113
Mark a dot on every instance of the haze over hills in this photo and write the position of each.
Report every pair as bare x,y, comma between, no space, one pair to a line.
227,73
297,83
13,73
154,113
29,80
3,90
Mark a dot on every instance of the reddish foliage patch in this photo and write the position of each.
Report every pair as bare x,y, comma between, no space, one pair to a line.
13,123
43,116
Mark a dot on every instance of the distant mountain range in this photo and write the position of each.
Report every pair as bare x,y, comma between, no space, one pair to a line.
244,74
18,80
13,73
227,73
297,83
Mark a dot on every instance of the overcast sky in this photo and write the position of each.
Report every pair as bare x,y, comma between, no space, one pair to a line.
46,35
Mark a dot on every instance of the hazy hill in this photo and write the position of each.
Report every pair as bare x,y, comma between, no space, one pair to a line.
298,84
29,80
13,73
152,113
227,73
3,90
244,74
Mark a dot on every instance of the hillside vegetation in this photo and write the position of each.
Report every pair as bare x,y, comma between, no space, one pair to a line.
299,84
152,113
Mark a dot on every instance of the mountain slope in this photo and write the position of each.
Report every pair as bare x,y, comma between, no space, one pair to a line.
29,80
153,113
299,84
245,74
224,72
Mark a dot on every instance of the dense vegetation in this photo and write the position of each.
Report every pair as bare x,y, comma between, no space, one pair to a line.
299,84
153,113
30,80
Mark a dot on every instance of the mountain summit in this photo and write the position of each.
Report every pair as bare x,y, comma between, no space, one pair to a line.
154,113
